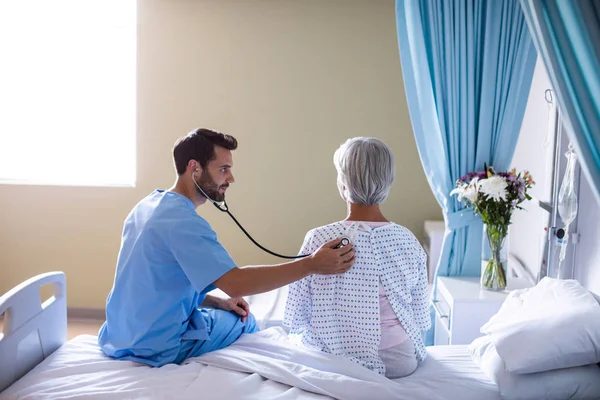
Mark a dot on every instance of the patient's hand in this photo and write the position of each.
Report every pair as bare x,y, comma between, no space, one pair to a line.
327,260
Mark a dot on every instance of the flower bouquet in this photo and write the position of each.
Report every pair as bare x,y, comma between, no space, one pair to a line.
494,196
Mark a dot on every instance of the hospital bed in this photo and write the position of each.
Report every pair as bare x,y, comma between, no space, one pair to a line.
37,362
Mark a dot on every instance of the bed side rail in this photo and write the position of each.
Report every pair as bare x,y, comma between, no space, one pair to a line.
32,330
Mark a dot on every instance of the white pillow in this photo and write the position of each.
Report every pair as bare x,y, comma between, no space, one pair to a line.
554,325
570,383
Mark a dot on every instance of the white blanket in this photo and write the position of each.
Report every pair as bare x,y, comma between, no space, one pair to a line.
270,354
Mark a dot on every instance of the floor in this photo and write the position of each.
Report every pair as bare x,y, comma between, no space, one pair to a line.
76,327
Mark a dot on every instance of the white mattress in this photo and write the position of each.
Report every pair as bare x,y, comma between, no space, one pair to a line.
79,370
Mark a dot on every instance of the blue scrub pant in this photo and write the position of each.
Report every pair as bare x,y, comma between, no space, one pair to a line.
225,327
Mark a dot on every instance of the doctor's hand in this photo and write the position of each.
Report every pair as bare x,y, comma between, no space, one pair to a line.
236,304
328,260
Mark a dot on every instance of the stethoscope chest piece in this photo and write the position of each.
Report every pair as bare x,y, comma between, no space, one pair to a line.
343,243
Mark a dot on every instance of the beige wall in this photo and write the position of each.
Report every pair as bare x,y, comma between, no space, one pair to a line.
290,79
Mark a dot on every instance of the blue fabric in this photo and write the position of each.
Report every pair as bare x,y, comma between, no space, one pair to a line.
168,260
567,36
467,67
224,328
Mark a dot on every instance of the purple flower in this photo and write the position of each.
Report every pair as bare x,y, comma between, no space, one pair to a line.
513,183
469,177
520,185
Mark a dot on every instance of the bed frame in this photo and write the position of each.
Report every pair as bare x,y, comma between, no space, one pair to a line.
32,330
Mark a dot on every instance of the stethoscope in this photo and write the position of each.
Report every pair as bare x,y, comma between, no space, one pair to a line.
223,207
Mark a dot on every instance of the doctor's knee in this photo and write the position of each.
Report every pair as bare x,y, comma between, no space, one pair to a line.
250,325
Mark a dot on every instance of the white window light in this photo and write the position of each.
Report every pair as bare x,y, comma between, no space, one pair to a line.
68,92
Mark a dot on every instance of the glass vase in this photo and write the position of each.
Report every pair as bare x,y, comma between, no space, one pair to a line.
494,257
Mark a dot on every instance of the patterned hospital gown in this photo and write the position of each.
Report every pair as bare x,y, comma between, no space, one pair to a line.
339,314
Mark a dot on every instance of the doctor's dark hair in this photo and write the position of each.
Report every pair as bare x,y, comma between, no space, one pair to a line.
366,170
200,145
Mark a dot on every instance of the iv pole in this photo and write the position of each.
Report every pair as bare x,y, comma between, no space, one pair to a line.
564,202
552,138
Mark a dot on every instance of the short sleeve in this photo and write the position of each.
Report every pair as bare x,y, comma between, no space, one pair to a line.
298,305
199,254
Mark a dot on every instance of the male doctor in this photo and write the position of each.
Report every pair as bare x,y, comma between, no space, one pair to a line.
158,311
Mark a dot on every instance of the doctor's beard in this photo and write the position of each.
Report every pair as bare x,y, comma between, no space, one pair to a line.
209,186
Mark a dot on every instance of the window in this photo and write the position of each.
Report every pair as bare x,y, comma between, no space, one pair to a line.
68,92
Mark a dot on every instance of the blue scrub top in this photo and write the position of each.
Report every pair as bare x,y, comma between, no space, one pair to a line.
168,260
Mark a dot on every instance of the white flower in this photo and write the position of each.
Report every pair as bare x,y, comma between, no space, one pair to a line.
468,192
460,190
471,191
494,187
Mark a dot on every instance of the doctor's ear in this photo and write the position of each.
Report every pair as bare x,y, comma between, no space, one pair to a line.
195,166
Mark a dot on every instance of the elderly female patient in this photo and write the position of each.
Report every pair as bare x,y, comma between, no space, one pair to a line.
375,313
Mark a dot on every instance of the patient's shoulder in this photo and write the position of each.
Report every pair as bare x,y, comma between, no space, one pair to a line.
332,227
401,229
327,232
399,232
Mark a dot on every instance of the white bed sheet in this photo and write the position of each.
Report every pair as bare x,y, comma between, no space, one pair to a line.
79,370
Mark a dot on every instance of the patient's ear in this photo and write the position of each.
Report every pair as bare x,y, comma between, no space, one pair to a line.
344,193
342,189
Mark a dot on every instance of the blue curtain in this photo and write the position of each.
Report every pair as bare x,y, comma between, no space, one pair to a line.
567,36
467,68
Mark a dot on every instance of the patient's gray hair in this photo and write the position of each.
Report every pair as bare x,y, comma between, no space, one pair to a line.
366,168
